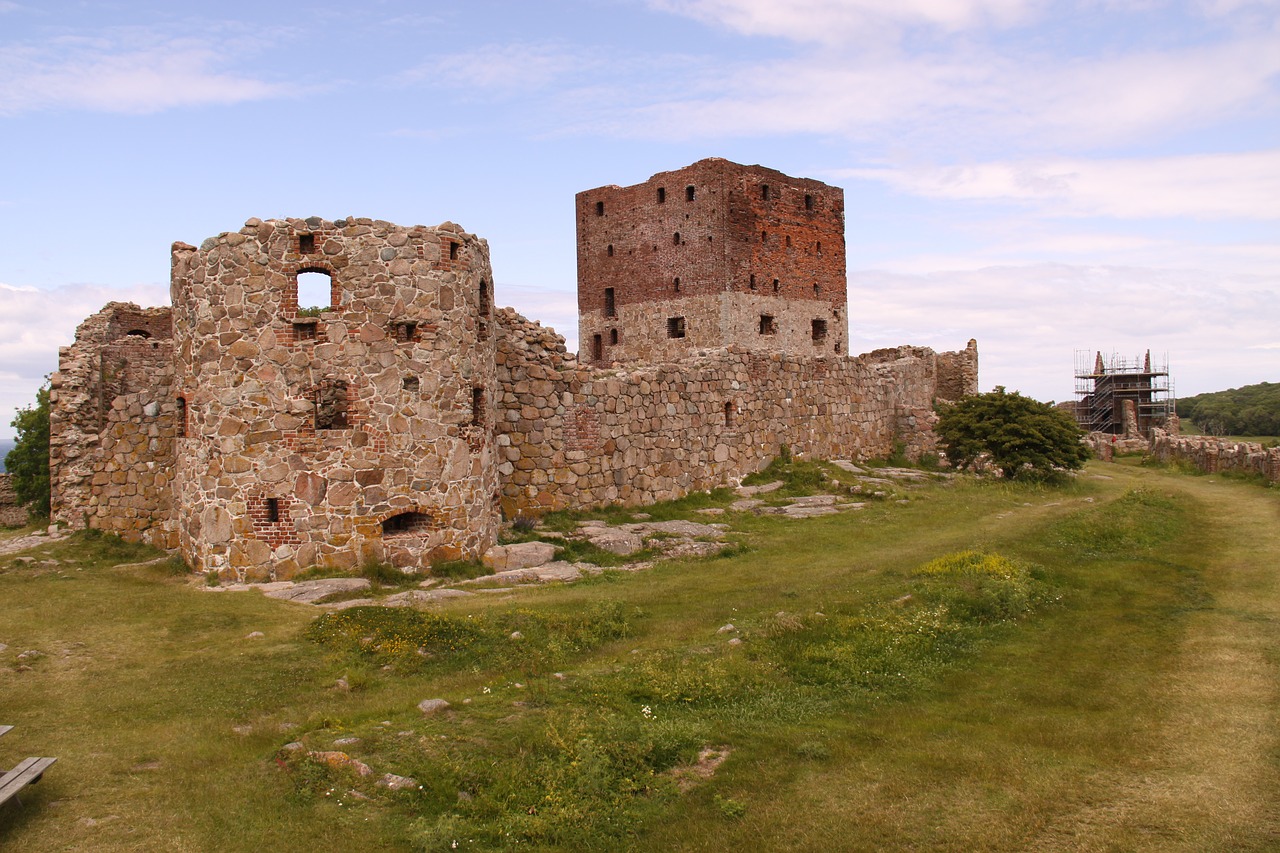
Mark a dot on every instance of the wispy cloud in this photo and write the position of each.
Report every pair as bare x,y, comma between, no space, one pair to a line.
832,21
505,69
126,70
1208,186
34,323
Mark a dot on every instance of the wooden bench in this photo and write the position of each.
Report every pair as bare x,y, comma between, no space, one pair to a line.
28,772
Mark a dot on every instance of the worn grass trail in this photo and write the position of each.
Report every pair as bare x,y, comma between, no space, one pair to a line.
1212,778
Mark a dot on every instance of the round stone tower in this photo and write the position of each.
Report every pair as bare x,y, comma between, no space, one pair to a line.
359,428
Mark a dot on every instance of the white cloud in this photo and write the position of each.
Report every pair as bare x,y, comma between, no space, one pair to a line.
838,20
125,71
1208,186
1217,330
35,323
503,68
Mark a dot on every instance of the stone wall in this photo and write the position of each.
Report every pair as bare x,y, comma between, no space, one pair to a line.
11,515
360,431
112,425
1213,455
259,438
571,435
711,255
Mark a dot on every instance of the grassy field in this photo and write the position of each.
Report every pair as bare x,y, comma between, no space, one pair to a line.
986,666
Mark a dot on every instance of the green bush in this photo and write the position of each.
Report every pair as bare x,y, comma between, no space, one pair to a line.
1023,437
28,461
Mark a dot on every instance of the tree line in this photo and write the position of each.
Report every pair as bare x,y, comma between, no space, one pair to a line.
1250,410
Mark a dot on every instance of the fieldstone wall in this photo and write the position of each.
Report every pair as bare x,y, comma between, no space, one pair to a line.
112,425
359,431
572,435
11,515
1212,455
398,420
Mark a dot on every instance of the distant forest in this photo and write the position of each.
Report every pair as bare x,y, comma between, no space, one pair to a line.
1251,410
6,444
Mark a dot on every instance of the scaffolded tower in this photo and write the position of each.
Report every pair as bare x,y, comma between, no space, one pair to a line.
1121,396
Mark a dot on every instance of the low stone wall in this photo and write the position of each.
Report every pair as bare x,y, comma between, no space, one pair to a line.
1213,455
573,436
11,515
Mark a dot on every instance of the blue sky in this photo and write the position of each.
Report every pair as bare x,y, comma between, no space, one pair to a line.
1043,176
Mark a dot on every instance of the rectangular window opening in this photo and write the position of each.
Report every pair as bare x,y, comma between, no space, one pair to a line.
819,331
808,202
411,384
405,332
273,510
453,251
662,195
676,284
753,282
609,251
689,193
764,192
182,418
777,285
477,406
599,208
306,244
304,331
597,348
613,337
610,305
730,413
331,404
675,239
767,326
675,327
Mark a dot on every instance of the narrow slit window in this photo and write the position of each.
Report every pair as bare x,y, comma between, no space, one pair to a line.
597,348
610,304
730,413
675,239
819,331
767,326
662,195
777,286
477,406
689,193
613,337
675,327
306,244
764,192
676,284
273,510
808,202
819,248
788,241
609,251
599,208
485,302
817,290
764,237
753,282
453,251
181,417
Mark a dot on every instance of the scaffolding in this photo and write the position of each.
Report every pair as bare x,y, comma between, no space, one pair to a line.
1105,386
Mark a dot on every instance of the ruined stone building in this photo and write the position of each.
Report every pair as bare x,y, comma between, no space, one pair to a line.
404,418
1123,397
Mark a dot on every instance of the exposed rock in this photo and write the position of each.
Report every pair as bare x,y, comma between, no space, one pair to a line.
432,706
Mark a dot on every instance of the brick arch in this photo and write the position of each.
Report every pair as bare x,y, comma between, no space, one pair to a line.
289,301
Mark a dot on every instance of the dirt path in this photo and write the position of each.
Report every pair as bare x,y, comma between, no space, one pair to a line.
1214,783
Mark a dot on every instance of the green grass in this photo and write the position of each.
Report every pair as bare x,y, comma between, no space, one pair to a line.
994,666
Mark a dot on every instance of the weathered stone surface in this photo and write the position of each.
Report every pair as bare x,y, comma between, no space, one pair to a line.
308,591
618,542
519,555
432,706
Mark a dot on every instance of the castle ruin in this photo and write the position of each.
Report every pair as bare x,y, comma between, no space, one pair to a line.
406,416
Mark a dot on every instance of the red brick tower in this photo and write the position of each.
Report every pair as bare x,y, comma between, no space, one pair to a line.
713,254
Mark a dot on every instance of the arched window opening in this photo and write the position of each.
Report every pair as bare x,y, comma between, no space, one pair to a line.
730,413
613,337
315,292
609,251
676,284
484,298
141,333
662,195
407,524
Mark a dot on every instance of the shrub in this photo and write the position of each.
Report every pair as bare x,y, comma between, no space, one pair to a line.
28,461
1021,435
